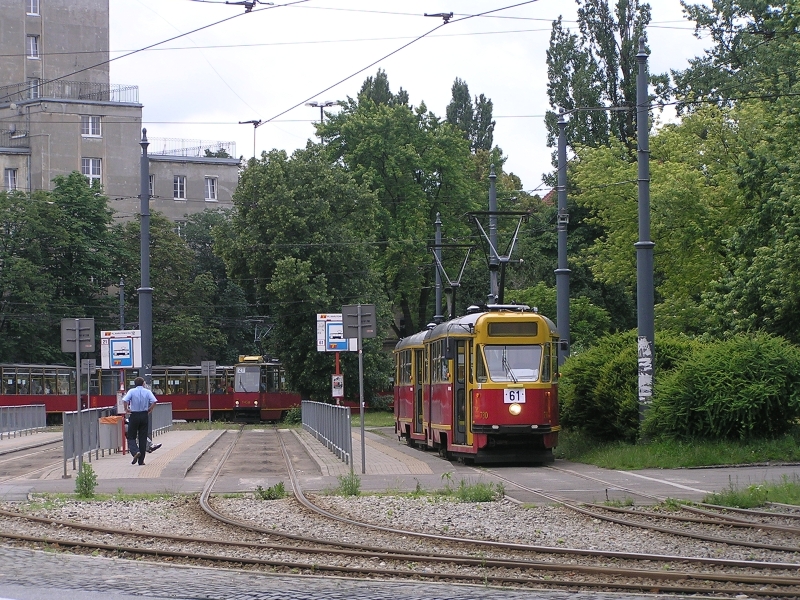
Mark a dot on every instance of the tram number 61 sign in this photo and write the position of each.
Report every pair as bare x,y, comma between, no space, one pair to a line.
512,396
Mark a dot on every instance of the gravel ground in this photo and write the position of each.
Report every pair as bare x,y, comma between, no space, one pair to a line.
502,520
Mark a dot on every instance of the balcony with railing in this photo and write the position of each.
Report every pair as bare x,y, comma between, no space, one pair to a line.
69,90
191,148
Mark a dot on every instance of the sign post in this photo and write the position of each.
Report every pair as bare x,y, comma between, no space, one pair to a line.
77,335
360,317
331,338
206,368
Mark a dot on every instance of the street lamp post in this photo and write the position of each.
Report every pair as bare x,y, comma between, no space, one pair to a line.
256,124
322,106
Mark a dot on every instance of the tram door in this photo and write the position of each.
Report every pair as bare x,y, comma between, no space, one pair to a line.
460,400
419,371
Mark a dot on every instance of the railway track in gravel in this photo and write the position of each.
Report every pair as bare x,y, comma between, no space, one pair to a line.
765,530
479,561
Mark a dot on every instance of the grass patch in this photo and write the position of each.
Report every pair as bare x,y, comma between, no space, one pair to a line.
372,418
676,454
785,492
55,500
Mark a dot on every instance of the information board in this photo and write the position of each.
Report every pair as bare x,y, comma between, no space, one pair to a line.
121,349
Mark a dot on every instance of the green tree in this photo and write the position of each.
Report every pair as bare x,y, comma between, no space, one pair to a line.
474,121
418,167
185,329
54,263
694,207
754,52
759,287
303,237
597,68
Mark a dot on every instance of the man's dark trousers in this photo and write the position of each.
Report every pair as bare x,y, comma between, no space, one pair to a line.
137,431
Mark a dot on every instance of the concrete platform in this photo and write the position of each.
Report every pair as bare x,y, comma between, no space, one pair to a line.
388,466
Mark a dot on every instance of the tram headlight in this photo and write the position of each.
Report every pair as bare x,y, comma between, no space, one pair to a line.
236,403
514,409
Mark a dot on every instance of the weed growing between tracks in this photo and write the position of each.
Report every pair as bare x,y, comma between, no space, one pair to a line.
273,492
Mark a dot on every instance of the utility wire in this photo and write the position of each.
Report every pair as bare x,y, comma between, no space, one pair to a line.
372,64
105,62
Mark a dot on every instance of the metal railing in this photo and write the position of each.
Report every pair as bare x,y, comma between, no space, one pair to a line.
330,424
97,437
191,148
70,90
22,420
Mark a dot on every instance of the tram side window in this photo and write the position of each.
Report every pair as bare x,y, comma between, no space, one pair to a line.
461,362
439,370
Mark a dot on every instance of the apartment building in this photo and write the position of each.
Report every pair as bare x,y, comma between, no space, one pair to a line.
60,113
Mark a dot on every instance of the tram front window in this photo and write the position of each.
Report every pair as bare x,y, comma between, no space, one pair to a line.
513,363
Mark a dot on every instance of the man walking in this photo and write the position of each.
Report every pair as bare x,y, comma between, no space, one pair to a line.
139,403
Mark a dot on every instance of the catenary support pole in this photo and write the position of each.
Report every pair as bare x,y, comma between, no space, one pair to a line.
562,272
644,247
494,262
438,317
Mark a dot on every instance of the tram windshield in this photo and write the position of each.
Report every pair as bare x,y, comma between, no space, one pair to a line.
512,363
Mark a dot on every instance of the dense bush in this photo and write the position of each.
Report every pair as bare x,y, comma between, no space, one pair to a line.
742,388
598,390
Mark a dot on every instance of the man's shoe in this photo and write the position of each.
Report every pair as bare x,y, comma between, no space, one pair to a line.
141,464
154,447
135,458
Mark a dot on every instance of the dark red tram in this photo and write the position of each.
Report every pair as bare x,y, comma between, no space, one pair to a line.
254,389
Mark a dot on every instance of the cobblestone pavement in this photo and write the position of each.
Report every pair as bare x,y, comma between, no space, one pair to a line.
33,575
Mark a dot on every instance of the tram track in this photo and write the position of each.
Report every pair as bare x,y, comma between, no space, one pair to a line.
477,561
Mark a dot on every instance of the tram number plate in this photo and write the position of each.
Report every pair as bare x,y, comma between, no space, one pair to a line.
511,396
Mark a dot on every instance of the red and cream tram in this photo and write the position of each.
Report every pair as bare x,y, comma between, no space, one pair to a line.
482,387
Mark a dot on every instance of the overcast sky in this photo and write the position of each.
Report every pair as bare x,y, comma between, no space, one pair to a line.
259,65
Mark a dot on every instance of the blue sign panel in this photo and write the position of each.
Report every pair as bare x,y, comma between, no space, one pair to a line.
121,353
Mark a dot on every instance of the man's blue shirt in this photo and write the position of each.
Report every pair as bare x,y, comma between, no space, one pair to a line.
139,399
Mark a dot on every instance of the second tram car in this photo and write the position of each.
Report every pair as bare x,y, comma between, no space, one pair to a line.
254,389
481,388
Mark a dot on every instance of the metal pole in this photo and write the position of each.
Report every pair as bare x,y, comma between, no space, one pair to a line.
494,263
438,317
208,390
562,272
644,247
122,301
122,327
78,393
361,390
145,291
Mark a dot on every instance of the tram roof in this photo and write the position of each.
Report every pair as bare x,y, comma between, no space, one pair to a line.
465,324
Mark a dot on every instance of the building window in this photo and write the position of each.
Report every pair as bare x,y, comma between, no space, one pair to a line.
33,87
152,190
90,167
179,187
10,179
90,125
33,46
33,7
211,189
